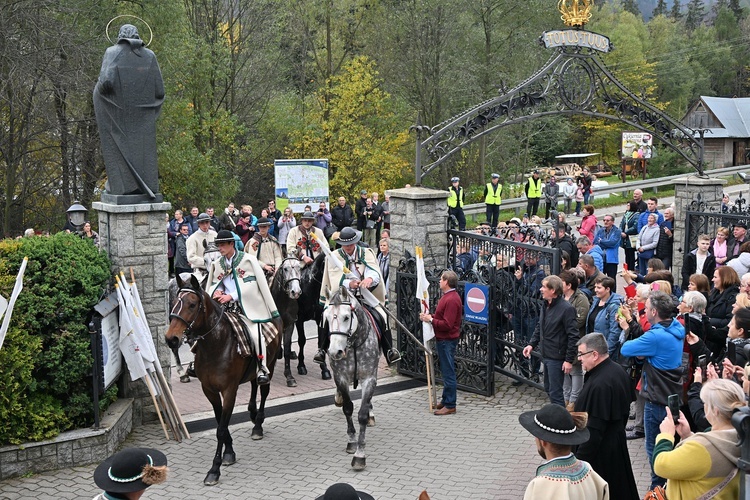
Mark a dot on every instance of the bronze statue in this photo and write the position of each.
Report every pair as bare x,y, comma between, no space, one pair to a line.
127,101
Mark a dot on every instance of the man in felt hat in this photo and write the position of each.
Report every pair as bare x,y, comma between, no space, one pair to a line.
300,244
562,475
128,473
492,199
533,190
267,248
196,243
456,202
236,280
364,271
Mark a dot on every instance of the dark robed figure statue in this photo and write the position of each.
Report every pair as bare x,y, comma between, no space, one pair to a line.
127,101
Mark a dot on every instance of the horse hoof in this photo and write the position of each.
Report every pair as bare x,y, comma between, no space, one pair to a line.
228,459
185,379
257,435
211,479
292,355
325,374
290,382
370,421
351,448
358,463
302,370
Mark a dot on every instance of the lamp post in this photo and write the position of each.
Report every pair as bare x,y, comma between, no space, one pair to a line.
76,216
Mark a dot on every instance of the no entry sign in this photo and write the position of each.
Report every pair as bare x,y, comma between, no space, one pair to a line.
476,303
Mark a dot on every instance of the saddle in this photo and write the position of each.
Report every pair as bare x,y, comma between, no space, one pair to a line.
376,319
242,334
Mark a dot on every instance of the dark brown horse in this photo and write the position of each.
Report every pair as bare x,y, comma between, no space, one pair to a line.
218,365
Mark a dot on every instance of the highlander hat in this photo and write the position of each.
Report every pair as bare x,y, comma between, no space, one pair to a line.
264,221
554,424
224,236
132,469
349,236
344,491
308,215
203,217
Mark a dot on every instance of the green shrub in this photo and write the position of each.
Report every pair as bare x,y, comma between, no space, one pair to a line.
45,381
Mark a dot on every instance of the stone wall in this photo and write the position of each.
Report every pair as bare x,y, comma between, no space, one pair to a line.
135,236
685,191
73,448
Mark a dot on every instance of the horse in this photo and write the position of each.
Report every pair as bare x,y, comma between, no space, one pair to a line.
210,254
286,290
354,353
218,364
308,308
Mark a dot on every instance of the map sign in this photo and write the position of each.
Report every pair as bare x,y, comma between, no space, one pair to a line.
300,183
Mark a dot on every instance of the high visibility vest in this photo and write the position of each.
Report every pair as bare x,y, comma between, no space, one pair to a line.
493,194
456,199
535,191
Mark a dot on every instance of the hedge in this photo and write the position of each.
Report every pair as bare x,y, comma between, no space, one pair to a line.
45,361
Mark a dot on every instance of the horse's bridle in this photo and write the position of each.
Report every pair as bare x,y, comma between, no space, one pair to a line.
287,281
201,308
348,334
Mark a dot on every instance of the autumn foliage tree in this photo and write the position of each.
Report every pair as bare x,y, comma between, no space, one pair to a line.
356,128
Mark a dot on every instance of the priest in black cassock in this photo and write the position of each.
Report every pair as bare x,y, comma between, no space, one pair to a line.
606,397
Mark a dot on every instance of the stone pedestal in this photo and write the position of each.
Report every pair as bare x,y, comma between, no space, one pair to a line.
135,236
685,191
418,218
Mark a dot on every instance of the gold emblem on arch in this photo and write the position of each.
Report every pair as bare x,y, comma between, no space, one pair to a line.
575,13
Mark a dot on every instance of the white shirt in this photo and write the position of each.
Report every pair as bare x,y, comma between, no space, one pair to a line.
700,260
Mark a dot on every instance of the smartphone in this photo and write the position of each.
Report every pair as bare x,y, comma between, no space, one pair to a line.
703,364
732,352
673,402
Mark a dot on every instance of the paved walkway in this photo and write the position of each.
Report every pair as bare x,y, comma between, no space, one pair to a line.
481,452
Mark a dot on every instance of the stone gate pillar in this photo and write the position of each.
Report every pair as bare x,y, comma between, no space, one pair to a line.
136,236
685,191
418,218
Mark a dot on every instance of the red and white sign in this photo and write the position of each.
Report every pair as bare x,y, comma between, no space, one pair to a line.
476,300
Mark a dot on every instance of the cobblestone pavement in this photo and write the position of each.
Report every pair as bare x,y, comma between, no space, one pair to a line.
481,452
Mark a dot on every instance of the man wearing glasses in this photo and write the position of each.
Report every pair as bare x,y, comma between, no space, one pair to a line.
606,397
556,334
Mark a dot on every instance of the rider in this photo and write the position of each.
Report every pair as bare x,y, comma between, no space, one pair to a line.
299,243
364,272
196,243
232,281
266,248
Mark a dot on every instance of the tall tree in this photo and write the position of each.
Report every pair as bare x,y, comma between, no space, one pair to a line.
660,9
695,14
676,11
631,6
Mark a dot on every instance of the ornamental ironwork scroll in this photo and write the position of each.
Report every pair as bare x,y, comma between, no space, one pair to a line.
574,81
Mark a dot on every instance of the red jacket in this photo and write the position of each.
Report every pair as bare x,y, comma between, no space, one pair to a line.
447,318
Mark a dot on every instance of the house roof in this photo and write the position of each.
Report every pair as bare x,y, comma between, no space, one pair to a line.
732,113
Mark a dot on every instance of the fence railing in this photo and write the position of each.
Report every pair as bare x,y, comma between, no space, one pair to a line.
520,203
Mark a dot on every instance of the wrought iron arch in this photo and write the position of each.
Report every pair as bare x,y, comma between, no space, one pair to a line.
574,81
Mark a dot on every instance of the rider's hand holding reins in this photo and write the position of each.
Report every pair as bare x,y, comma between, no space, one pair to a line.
222,297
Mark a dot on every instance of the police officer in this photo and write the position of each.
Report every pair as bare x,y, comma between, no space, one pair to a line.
456,202
533,190
492,199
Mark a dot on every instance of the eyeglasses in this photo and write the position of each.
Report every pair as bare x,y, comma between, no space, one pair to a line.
582,354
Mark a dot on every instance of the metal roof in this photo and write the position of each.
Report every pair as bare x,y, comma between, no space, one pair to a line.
732,113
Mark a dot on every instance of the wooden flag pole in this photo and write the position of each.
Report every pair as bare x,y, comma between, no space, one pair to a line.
153,398
429,379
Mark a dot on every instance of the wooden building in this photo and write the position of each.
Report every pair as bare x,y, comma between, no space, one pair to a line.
727,124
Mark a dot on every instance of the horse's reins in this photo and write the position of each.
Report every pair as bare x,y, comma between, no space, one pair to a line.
189,328
287,281
349,340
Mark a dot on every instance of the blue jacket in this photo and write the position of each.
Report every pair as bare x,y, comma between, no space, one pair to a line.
598,254
609,243
606,321
643,219
662,346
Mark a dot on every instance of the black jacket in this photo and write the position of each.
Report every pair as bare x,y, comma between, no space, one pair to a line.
556,331
566,243
690,265
342,216
719,309
358,210
666,243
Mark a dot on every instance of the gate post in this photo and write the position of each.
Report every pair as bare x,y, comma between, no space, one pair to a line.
418,218
685,191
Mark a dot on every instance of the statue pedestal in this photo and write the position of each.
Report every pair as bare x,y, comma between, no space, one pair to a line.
135,236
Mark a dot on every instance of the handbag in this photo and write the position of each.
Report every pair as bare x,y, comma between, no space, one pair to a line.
658,493
329,230
370,224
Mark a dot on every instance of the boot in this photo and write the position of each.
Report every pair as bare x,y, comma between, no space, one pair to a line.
386,342
259,344
320,357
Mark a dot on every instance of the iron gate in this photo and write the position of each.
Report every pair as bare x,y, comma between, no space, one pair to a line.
482,349
701,218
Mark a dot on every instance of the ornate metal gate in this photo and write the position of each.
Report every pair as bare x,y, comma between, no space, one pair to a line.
483,350
701,218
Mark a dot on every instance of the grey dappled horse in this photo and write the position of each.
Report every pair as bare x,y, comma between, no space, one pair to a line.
354,354
210,254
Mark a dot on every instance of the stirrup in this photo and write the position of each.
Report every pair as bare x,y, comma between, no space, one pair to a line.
263,379
393,355
320,357
190,371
